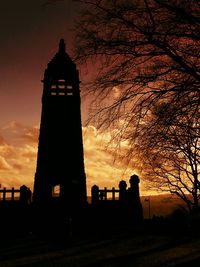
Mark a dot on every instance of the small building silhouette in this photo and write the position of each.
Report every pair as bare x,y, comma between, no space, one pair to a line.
123,205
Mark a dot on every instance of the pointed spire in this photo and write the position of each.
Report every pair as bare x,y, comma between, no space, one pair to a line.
62,46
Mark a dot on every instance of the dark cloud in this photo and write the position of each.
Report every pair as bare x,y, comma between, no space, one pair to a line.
19,132
18,166
29,38
2,141
30,135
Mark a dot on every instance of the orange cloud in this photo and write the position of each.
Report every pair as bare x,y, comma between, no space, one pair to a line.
18,153
4,164
101,167
18,132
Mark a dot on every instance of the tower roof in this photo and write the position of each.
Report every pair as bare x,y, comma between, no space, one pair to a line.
62,46
61,65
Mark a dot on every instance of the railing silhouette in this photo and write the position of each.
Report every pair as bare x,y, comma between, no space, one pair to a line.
102,195
108,194
119,204
4,194
123,194
23,195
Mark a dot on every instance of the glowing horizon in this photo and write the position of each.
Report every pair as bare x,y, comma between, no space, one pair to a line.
18,153
29,41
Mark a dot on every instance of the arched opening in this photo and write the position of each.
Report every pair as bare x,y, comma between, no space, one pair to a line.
56,191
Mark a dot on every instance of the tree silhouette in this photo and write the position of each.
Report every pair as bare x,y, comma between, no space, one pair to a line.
147,51
171,157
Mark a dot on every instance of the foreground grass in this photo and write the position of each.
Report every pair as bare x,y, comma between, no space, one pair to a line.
123,247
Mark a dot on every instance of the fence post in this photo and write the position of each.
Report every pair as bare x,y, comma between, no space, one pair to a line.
122,191
24,195
13,194
4,194
95,194
113,193
105,193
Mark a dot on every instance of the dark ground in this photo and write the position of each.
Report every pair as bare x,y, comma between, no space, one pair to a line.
149,245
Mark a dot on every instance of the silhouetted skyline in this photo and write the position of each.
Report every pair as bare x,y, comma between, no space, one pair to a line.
29,37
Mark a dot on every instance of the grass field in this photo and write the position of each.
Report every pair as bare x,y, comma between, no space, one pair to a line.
172,242
141,247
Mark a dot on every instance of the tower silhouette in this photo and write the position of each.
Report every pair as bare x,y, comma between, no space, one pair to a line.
60,162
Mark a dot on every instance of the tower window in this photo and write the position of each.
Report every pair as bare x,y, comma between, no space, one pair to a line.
69,90
61,86
56,191
53,93
53,86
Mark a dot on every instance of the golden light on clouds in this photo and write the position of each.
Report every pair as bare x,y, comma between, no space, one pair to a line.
18,150
101,167
18,153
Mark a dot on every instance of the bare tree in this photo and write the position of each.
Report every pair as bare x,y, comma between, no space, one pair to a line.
171,158
148,51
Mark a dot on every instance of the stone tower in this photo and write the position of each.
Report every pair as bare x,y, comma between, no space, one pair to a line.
60,162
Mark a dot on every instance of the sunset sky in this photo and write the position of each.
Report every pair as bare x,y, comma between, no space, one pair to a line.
30,33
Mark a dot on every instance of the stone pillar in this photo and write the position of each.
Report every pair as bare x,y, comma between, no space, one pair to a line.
95,194
122,191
